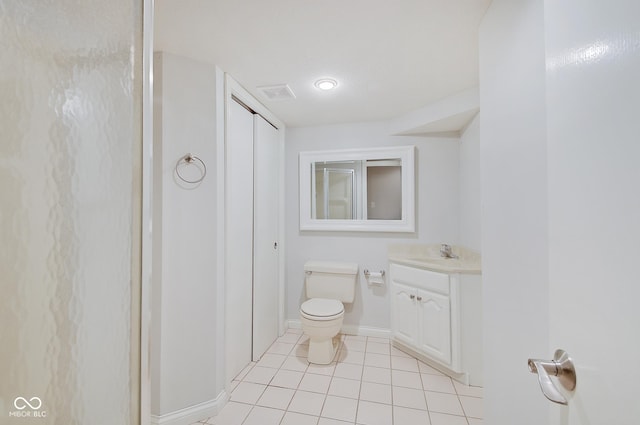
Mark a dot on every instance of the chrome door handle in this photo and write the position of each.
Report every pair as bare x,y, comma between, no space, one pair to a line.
562,367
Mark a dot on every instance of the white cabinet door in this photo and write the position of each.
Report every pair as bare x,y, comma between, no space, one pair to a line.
434,322
404,324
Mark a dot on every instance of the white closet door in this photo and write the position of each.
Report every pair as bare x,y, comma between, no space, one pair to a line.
265,238
239,255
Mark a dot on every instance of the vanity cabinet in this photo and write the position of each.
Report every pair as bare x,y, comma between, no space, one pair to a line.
423,320
437,318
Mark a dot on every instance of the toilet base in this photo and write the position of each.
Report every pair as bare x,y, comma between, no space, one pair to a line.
321,350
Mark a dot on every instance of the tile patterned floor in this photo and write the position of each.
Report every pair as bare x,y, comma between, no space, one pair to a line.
369,383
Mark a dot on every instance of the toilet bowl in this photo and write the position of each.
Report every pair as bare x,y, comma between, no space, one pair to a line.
321,320
328,286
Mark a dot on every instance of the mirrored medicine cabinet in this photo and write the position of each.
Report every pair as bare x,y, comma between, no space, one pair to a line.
358,190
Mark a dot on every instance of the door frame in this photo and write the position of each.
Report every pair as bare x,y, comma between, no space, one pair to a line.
143,411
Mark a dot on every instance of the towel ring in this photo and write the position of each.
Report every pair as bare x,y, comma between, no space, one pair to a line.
190,159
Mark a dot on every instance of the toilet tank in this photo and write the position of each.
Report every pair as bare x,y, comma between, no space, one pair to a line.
331,279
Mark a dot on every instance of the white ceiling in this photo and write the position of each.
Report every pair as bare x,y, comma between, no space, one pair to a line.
390,57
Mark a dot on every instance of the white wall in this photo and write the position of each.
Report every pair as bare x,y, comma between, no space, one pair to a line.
437,214
514,209
470,187
184,336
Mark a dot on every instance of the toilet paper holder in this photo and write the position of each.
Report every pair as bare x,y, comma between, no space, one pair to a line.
367,273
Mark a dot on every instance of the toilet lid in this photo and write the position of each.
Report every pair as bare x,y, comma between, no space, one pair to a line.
321,307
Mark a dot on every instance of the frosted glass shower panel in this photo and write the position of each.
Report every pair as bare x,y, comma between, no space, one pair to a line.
70,114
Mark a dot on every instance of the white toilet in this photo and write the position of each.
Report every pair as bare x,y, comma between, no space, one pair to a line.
328,285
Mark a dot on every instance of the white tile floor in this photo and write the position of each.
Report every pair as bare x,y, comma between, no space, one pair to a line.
371,383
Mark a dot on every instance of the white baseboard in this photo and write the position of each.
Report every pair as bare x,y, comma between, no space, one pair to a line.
293,324
350,329
189,415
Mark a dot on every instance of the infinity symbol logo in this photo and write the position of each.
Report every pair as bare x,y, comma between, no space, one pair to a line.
21,403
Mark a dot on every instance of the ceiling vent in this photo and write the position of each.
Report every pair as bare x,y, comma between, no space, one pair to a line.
277,92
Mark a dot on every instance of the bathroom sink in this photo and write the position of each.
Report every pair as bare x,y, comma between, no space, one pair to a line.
445,264
428,257
437,260
440,261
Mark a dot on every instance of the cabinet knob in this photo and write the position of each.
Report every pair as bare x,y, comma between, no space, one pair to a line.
412,296
419,298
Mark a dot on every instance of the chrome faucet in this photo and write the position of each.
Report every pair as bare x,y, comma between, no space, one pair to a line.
445,251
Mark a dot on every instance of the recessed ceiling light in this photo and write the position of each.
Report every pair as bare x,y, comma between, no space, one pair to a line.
326,84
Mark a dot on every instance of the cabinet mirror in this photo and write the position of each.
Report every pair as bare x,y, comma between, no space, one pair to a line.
358,190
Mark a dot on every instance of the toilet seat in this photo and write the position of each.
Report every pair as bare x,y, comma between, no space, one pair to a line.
321,309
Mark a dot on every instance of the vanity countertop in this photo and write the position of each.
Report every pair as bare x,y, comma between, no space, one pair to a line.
428,257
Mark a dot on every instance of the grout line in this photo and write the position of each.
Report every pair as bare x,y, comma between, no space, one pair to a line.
393,406
341,347
364,358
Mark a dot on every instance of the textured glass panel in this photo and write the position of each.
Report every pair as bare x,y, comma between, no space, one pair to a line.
69,135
